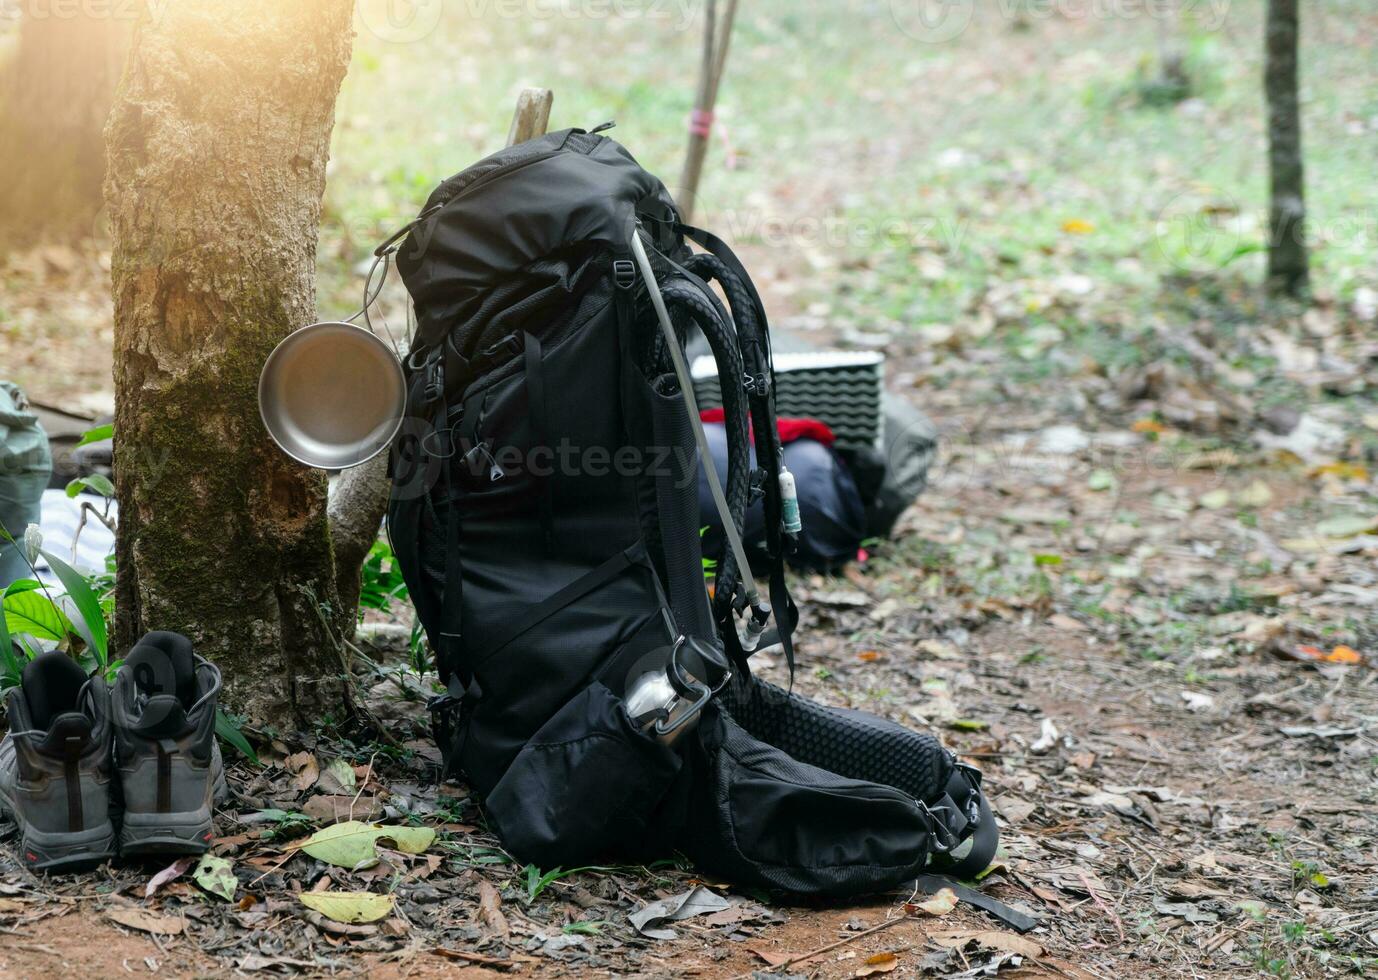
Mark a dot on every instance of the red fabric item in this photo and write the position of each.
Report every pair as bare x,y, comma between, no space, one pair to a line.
791,430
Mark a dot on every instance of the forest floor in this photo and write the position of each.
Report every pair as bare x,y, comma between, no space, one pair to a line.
1155,638
1140,593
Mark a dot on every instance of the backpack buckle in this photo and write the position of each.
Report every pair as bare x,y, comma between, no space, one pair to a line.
433,377
624,273
941,837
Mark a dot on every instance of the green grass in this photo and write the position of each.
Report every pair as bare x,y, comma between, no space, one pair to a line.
909,184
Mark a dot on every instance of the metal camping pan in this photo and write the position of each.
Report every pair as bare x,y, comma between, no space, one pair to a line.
332,395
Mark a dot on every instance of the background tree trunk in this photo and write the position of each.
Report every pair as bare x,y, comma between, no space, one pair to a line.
218,144
55,95
1288,264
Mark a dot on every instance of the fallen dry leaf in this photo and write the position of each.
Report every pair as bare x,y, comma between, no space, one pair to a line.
305,770
349,908
146,921
941,902
335,809
490,910
1005,942
771,957
1340,655
879,963
173,871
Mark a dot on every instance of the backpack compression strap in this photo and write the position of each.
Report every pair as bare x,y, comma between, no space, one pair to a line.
686,384
753,329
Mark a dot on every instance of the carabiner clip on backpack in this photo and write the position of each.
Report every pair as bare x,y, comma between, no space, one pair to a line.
598,701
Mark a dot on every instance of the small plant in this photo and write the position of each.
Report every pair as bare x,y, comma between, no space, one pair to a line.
382,580
285,824
537,881
32,615
593,927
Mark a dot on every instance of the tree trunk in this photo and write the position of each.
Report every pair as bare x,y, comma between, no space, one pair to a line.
218,143
357,505
1288,267
54,97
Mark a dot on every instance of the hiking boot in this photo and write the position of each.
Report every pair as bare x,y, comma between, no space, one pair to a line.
169,765
55,767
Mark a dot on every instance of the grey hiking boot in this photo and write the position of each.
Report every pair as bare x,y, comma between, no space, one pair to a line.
55,767
169,764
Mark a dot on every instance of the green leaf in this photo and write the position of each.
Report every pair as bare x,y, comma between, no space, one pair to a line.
1214,499
968,724
95,481
228,731
23,585
79,591
9,664
1100,480
216,875
33,612
97,434
1346,526
343,773
1047,559
354,844
348,907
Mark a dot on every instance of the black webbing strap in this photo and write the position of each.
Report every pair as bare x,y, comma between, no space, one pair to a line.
451,715
452,590
575,590
971,811
540,429
73,746
1012,917
677,500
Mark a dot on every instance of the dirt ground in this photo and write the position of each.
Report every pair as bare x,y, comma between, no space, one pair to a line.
1152,643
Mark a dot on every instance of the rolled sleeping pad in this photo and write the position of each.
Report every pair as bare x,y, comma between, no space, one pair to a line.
833,513
25,462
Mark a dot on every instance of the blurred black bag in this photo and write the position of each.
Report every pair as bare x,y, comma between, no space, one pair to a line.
545,517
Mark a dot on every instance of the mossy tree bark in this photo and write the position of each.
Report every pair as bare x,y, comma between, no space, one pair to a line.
55,93
1288,262
217,152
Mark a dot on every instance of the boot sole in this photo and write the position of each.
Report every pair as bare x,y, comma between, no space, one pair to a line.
79,851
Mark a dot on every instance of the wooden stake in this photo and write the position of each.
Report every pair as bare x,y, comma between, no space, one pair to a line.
715,47
532,116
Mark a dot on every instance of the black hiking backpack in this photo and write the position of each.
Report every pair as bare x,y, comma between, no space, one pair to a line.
545,516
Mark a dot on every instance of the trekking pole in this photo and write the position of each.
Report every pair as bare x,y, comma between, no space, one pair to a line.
760,610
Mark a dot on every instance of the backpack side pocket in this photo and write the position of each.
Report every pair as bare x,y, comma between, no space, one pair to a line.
586,784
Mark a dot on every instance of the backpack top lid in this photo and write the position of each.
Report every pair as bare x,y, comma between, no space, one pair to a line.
521,205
